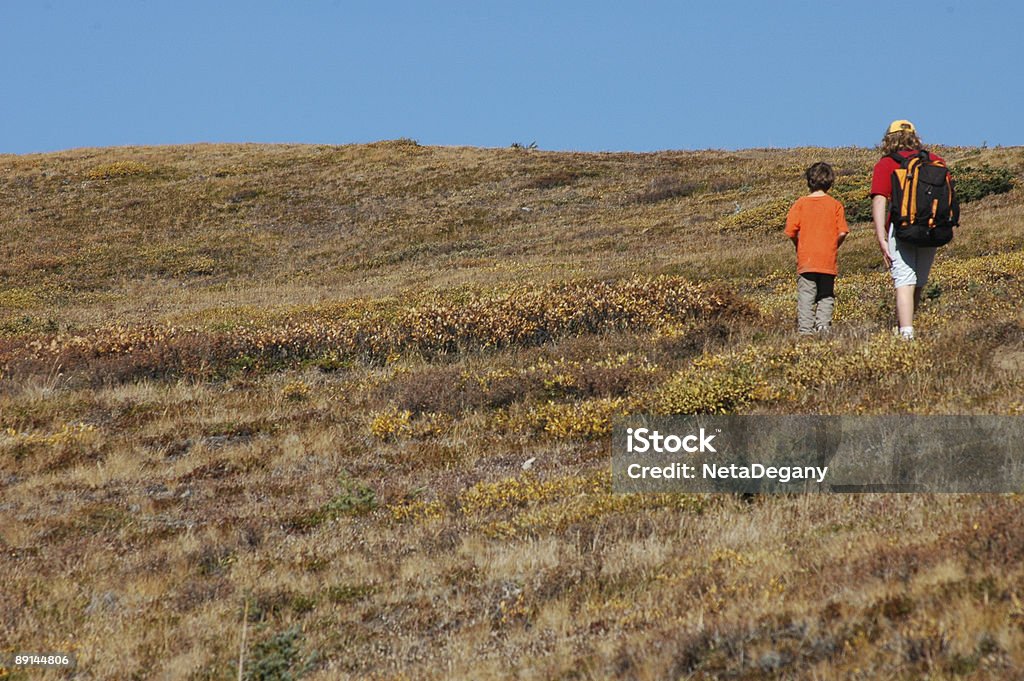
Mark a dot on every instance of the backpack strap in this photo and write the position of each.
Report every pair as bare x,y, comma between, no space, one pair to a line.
903,160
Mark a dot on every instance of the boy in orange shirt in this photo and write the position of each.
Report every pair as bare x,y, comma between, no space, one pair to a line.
817,225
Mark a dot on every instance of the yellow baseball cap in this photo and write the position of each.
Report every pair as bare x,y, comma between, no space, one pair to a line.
897,126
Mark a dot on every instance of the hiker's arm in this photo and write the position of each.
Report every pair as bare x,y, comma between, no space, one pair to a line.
879,215
841,227
795,240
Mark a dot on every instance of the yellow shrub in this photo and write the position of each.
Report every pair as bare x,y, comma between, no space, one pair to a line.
512,493
767,217
712,385
69,433
587,419
295,391
417,511
527,504
18,299
724,383
390,424
200,264
108,171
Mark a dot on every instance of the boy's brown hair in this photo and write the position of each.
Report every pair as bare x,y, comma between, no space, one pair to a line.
820,176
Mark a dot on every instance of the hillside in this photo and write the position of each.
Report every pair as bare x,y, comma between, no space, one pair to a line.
359,398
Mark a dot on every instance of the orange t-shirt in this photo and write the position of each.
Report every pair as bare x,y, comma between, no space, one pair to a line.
817,222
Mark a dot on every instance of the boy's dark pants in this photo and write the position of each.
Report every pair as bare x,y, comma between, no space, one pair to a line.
815,299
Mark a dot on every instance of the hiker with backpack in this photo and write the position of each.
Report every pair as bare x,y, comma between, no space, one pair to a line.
914,208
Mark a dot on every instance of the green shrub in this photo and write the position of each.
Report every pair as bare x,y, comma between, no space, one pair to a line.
350,593
975,183
278,658
353,498
856,199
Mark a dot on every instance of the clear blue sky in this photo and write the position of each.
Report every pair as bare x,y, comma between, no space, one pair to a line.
596,75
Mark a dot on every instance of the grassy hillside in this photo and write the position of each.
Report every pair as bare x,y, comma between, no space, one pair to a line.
353,403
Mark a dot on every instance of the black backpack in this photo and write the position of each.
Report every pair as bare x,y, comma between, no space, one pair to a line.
924,208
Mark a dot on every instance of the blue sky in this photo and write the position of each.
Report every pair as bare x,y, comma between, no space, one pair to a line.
595,75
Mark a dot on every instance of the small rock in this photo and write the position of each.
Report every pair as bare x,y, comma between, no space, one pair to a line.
102,602
1009,361
771,661
156,490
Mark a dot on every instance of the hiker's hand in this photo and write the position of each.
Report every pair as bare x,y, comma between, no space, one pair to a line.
879,217
885,254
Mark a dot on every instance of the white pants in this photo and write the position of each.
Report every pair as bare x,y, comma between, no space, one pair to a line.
910,264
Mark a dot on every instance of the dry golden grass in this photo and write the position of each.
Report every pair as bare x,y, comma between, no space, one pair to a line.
298,385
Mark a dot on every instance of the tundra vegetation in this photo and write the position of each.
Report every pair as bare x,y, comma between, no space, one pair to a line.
352,403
